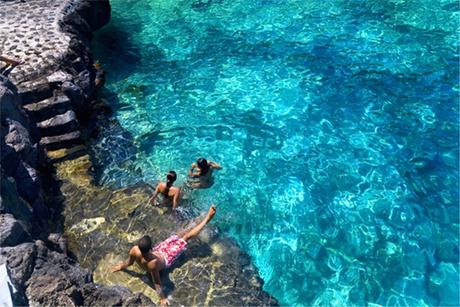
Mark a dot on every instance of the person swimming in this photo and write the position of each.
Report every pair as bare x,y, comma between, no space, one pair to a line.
200,173
167,191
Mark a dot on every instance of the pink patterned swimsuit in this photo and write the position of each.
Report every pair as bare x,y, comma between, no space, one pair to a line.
170,249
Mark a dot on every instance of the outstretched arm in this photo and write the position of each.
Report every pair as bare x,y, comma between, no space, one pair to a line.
215,165
124,264
155,194
197,229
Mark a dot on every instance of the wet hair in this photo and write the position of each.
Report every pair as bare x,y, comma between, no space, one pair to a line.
145,244
203,165
170,178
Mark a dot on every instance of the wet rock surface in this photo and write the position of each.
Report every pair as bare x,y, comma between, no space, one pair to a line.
102,224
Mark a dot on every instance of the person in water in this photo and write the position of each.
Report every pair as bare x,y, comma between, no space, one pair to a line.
201,173
162,256
167,191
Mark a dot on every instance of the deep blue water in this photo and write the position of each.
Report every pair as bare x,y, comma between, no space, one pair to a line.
336,122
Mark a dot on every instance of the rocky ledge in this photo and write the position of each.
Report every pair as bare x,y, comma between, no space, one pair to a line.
52,217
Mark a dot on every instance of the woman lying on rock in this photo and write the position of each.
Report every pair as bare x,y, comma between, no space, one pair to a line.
201,173
162,256
167,192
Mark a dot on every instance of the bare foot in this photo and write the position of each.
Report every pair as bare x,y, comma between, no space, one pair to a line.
211,212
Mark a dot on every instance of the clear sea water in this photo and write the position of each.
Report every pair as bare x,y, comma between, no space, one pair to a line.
336,122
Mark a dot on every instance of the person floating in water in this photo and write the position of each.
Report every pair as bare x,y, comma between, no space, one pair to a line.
162,256
201,173
167,191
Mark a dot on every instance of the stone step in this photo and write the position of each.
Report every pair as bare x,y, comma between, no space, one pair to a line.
48,108
66,140
59,124
35,90
66,153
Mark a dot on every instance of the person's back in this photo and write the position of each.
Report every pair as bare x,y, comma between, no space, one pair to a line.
168,192
143,260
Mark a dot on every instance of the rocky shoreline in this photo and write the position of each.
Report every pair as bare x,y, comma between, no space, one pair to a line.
52,215
42,101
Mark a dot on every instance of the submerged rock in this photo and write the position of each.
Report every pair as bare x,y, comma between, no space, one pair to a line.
87,225
443,284
213,270
112,296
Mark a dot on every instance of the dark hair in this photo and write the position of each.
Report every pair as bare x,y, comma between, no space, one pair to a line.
145,244
170,178
203,164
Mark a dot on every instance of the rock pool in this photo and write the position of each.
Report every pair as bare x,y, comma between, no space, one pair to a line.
336,123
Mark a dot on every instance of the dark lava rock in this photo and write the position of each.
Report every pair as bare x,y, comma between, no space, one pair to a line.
112,296
21,261
87,17
56,279
57,242
75,94
137,299
19,153
28,177
12,231
10,202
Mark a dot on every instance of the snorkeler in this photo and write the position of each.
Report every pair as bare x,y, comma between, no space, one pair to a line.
167,191
162,256
201,173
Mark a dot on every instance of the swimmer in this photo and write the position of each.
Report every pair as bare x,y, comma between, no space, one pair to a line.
200,173
167,191
162,256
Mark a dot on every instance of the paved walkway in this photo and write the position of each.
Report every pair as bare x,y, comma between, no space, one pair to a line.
30,32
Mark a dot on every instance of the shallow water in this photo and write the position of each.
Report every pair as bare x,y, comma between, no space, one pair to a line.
336,123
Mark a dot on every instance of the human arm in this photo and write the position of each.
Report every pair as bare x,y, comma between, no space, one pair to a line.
157,283
193,172
124,264
214,165
176,198
155,194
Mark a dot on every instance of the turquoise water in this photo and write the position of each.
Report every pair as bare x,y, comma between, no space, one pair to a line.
336,122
